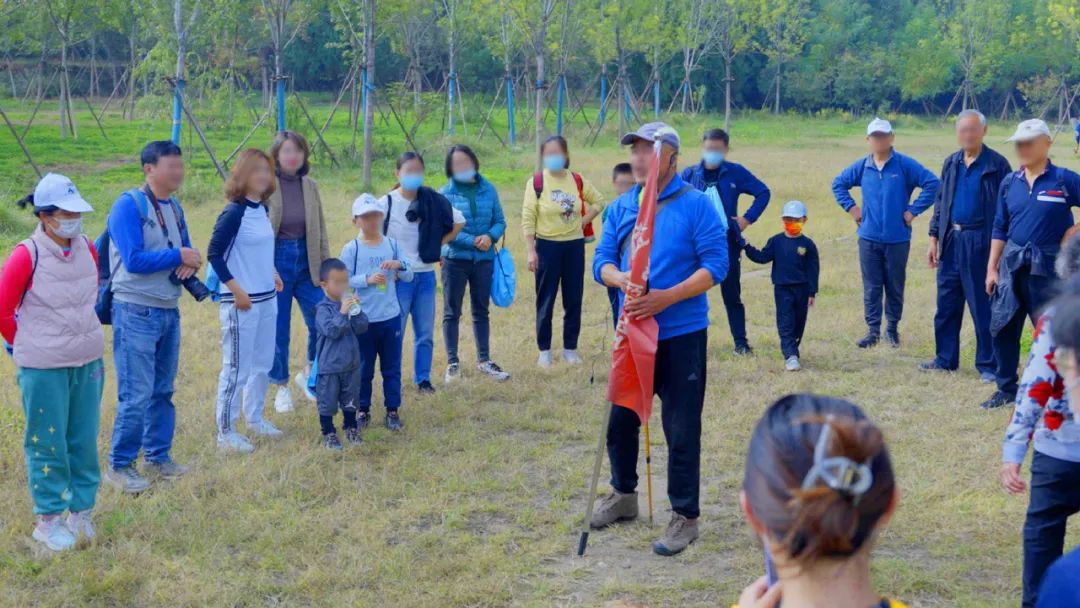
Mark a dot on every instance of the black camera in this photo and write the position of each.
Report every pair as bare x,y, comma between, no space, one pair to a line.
193,285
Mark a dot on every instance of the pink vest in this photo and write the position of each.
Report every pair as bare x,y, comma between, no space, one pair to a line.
57,325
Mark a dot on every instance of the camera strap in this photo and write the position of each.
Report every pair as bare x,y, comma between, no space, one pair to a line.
161,216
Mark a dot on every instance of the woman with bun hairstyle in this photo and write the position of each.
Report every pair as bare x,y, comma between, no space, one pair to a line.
818,488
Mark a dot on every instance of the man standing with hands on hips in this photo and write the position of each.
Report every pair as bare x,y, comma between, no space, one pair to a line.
887,179
689,259
960,244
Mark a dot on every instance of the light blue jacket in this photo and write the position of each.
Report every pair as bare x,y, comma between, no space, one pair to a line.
483,213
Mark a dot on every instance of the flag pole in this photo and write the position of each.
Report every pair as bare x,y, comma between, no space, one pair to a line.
648,470
585,525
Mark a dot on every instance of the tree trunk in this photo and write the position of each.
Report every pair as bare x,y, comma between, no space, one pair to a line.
620,79
451,82
727,93
129,101
776,101
63,91
93,68
369,107
181,62
538,46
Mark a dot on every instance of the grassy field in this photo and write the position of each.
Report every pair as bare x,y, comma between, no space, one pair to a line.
477,503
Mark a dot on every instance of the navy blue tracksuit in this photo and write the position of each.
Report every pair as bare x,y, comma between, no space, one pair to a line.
795,270
963,217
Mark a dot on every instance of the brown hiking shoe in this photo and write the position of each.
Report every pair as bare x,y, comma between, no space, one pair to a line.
678,536
613,508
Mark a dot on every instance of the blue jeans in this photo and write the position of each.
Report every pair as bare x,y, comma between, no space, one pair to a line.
382,340
291,262
417,299
884,270
146,349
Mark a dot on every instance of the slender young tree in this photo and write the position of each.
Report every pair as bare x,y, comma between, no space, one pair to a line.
369,107
282,34
63,15
183,28
534,17
784,25
734,32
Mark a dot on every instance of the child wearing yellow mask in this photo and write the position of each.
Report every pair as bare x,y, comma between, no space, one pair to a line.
795,270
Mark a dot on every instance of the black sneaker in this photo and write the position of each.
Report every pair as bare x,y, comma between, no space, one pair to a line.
743,350
330,442
998,399
425,388
892,338
933,366
352,437
870,340
363,419
393,421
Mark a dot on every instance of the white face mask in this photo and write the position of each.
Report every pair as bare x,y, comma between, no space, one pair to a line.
68,229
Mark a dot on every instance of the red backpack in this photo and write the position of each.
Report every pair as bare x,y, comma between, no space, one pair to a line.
538,188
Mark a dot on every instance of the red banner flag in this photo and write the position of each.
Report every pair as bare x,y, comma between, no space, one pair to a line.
633,358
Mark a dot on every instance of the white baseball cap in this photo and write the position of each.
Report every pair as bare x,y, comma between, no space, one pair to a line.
365,204
1029,130
55,190
878,125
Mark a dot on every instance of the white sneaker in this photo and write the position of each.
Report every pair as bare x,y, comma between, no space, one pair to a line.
301,381
544,360
491,369
53,533
453,373
792,364
78,522
283,400
235,442
265,429
570,356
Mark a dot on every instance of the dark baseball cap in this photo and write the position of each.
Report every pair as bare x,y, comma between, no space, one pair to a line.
653,132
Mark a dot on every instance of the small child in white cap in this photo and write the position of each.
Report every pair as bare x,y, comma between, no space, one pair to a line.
375,266
795,270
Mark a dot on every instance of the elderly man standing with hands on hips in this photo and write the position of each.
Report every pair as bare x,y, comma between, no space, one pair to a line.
887,179
960,244
689,259
1034,214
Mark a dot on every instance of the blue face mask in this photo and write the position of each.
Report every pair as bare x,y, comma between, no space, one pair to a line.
712,158
412,181
465,177
554,162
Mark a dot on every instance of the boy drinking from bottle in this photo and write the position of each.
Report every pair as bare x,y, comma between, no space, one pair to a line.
339,319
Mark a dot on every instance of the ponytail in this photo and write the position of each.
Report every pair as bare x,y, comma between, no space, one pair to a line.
26,201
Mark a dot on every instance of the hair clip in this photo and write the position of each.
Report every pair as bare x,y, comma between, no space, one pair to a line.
839,473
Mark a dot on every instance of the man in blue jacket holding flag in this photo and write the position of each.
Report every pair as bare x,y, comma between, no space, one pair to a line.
887,180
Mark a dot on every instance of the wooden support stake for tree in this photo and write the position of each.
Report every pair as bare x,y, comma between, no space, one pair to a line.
300,102
341,95
202,137
408,137
116,87
96,119
19,140
487,118
243,141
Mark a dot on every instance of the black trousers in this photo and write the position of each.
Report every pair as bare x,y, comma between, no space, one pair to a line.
477,276
559,263
1055,495
731,291
680,384
792,304
884,269
1034,292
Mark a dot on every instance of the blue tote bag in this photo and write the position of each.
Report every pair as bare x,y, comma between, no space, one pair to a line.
504,284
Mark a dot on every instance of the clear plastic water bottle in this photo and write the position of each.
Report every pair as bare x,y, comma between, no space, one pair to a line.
355,309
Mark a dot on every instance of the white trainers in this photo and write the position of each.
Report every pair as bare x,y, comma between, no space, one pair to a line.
265,429
301,381
570,356
283,400
235,442
79,524
53,533
453,373
544,360
792,364
492,370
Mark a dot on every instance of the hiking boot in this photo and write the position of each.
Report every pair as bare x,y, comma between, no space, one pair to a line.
352,437
492,369
167,469
453,373
571,357
792,364
393,421
870,340
678,536
265,429
52,532
127,479
79,524
544,359
998,399
235,442
892,337
742,350
425,388
330,442
283,400
613,508
363,419
933,366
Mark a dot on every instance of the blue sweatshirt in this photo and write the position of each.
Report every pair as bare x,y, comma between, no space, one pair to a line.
379,302
886,195
689,237
794,260
731,180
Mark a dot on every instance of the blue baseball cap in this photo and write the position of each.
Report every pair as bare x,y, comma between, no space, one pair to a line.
794,209
653,132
